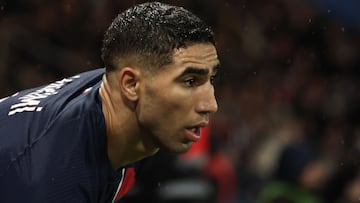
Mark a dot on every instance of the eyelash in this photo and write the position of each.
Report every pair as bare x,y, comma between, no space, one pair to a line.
190,82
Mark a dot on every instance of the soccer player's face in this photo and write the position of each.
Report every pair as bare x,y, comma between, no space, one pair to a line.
178,100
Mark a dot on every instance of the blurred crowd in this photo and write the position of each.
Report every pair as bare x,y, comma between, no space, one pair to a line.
288,122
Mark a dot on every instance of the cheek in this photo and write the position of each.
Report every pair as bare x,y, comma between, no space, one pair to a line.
170,112
167,114
164,115
159,106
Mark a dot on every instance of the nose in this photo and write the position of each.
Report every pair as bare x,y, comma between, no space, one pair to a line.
207,102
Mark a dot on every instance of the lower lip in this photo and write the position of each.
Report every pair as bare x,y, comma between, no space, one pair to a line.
194,137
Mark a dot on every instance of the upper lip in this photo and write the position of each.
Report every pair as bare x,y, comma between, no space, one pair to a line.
201,124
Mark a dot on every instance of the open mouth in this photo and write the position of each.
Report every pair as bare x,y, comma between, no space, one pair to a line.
193,133
195,130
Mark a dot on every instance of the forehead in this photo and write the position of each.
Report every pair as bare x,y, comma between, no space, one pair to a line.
198,55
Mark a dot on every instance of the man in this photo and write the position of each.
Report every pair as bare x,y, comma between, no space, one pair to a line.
81,139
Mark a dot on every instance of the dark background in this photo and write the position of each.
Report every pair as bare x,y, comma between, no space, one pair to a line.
290,74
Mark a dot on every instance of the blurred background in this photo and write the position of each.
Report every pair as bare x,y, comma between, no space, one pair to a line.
287,129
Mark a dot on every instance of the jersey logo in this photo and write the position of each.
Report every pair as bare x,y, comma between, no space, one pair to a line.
31,101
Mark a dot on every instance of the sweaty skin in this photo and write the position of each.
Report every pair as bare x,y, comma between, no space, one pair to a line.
145,112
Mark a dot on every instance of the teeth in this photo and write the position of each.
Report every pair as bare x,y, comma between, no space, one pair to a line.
194,129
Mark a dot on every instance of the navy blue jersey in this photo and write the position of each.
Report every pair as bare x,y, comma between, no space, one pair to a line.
53,144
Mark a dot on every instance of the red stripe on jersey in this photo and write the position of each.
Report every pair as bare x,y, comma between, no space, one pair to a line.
127,184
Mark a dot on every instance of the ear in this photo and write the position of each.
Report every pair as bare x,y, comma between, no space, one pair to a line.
129,79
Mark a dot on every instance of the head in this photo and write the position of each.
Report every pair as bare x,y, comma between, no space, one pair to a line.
164,61
150,32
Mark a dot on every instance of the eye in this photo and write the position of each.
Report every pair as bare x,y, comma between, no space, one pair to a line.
190,82
213,79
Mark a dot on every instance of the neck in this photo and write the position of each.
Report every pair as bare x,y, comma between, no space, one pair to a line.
125,142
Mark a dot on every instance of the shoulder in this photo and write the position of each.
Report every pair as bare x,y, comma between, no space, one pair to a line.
56,157
55,118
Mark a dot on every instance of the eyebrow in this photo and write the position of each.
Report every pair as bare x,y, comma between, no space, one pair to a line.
199,71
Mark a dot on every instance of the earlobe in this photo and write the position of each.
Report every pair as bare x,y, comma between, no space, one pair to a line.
129,82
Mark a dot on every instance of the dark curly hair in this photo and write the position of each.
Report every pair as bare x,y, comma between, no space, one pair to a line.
150,32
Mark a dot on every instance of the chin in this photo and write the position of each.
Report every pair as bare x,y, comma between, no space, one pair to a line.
178,149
